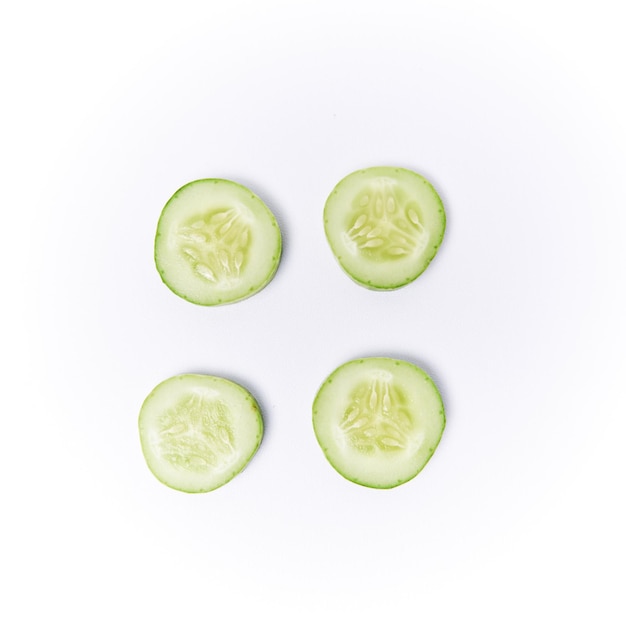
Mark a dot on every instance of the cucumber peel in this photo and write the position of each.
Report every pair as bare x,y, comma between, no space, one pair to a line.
378,421
216,242
384,225
198,432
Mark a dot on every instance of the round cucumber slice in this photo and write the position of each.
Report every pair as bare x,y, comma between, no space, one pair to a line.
378,421
384,226
198,432
216,242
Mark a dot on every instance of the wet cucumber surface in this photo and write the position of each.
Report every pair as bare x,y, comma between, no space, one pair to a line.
384,226
378,420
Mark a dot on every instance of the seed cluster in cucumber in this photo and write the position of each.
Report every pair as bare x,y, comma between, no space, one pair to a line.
216,242
378,420
384,226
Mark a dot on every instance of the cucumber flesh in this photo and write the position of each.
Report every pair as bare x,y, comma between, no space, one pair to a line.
198,432
216,242
378,421
384,226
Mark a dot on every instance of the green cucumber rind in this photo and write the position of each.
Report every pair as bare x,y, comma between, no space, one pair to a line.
240,467
426,261
276,254
321,440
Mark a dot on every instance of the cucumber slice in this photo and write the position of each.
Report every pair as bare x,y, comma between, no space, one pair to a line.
378,421
198,432
384,226
216,242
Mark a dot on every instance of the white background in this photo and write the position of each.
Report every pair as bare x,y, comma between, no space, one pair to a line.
515,112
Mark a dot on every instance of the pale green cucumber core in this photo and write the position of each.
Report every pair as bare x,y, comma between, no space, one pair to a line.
216,242
216,245
378,420
384,225
197,432
376,227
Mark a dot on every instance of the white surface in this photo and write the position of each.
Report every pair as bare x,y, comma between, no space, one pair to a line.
514,111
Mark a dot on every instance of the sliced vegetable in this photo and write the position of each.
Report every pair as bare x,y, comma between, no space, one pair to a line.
216,242
198,432
378,421
384,226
